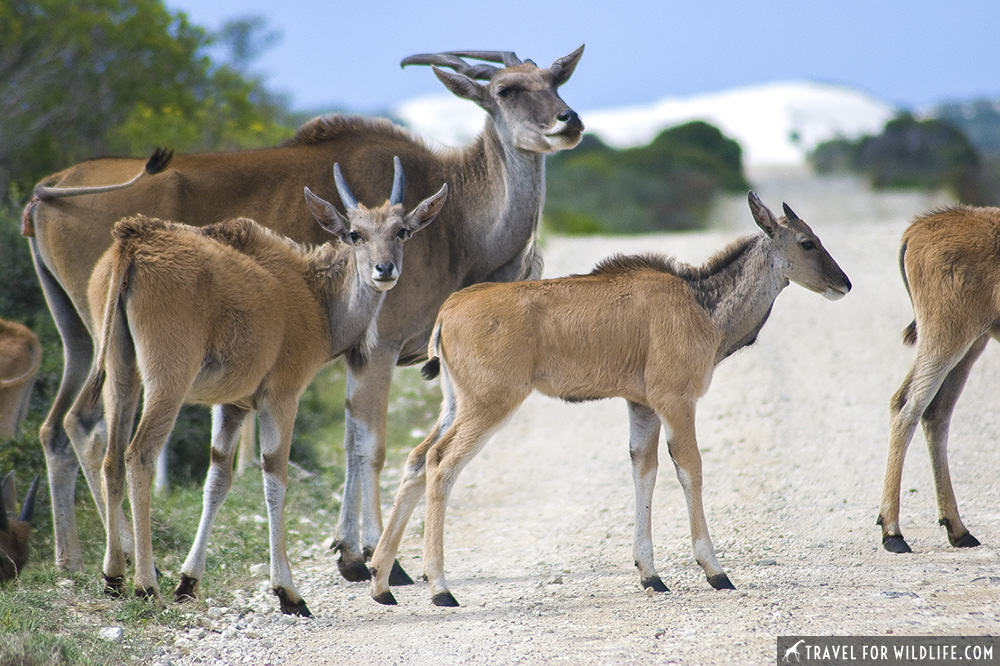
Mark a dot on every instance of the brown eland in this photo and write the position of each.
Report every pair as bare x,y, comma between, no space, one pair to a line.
645,328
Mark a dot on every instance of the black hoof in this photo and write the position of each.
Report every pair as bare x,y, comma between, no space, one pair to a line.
894,543
145,593
655,583
721,582
964,541
444,599
386,598
187,589
356,571
289,607
114,586
398,576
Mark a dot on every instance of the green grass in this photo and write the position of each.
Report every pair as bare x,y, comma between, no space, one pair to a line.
51,617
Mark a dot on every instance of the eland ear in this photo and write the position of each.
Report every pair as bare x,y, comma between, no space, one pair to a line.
789,213
762,215
426,210
461,85
327,215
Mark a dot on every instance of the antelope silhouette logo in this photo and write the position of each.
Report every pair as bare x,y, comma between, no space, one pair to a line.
794,650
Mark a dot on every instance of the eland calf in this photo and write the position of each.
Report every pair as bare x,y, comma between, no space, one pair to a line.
236,316
646,328
950,261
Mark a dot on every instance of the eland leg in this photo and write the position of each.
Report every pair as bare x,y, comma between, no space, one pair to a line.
678,418
364,449
644,438
906,408
158,416
411,487
276,424
475,422
936,421
61,461
227,421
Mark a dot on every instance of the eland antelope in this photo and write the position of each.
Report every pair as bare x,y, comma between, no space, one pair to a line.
645,328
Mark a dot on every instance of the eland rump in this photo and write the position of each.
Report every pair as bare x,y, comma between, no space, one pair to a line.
486,232
645,328
950,261
236,316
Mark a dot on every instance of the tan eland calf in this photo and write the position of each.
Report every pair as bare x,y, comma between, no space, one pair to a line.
236,316
646,328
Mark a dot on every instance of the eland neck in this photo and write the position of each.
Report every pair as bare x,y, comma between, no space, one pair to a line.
351,304
738,291
503,212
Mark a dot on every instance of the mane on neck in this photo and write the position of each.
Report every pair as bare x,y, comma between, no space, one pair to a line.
718,262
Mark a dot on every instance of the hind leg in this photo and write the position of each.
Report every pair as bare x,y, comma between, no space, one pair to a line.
930,368
61,461
936,421
158,417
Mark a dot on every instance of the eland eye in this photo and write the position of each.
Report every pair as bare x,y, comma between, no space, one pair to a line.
808,245
354,237
403,234
506,91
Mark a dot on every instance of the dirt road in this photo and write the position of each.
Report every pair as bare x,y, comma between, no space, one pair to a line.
793,435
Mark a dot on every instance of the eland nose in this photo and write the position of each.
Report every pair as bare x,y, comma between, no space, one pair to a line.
385,271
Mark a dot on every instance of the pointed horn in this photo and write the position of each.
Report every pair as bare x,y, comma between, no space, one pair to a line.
398,182
345,192
506,57
28,508
481,71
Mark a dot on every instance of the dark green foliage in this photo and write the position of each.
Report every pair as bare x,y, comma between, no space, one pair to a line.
666,185
119,77
909,153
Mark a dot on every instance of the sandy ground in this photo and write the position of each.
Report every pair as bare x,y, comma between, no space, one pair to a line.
793,435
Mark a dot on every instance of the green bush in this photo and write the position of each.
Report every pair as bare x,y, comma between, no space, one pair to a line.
666,185
909,154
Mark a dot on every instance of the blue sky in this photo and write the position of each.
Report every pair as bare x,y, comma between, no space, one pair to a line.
345,55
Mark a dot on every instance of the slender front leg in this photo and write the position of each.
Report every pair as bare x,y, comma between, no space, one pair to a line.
678,417
413,483
364,448
936,421
227,421
644,438
276,424
906,409
411,487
